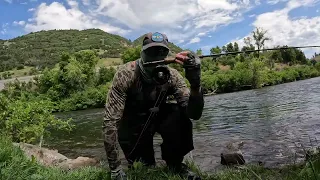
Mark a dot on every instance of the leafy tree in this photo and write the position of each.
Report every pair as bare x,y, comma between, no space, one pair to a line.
27,120
215,50
224,49
131,54
105,75
229,47
235,46
199,52
259,36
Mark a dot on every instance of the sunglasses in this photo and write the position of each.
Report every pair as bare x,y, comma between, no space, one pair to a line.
157,51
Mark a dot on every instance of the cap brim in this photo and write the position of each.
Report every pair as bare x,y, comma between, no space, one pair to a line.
153,45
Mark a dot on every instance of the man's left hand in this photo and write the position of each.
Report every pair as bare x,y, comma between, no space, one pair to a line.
192,65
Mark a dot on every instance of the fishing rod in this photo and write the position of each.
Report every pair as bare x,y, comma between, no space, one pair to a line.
173,60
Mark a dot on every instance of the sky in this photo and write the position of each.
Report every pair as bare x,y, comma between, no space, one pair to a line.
192,24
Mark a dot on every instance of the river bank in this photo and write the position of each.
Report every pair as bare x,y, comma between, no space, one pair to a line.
15,165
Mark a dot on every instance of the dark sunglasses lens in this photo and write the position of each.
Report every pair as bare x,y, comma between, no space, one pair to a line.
157,51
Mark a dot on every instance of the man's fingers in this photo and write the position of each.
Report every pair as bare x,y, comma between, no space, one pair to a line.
184,53
181,57
178,61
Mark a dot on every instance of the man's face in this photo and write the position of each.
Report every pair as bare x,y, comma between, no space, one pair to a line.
154,53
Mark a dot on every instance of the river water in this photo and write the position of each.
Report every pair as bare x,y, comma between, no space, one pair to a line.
274,123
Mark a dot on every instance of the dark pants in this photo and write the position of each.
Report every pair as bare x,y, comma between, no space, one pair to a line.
175,129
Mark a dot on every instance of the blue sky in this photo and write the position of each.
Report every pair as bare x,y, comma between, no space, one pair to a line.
190,24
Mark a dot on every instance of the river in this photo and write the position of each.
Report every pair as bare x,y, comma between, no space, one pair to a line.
275,123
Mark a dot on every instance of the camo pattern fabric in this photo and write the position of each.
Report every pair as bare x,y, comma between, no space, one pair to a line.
115,104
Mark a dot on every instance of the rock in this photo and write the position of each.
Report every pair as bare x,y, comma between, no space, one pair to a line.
232,159
311,153
233,155
79,162
48,157
43,156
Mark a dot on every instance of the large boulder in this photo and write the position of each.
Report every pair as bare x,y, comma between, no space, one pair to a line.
50,157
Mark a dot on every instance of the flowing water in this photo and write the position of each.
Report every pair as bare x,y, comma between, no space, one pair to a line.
274,123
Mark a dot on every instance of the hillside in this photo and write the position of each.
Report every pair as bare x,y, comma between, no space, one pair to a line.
42,49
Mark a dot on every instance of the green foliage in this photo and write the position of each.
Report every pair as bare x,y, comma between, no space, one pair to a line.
105,75
26,120
207,64
199,52
72,84
92,97
250,73
215,50
72,74
131,54
5,75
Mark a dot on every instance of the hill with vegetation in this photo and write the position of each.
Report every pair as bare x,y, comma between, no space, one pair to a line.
44,48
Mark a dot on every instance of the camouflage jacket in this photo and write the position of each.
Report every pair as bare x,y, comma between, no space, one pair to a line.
115,105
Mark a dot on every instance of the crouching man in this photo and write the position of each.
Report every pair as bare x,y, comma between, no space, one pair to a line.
136,108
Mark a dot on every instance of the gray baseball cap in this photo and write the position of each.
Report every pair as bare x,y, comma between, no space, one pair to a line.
155,39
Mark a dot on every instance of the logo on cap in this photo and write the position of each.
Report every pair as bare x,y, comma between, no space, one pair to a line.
157,37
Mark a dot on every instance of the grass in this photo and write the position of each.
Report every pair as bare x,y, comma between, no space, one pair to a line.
19,73
109,62
15,165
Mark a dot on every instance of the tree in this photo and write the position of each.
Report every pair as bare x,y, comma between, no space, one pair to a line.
230,47
235,46
259,36
131,54
224,49
199,52
215,50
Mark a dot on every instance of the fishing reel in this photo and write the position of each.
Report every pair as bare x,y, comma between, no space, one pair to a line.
161,74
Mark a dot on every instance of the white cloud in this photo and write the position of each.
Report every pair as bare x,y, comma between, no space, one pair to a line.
8,1
21,23
186,17
56,16
184,20
284,30
4,28
201,34
273,2
181,20
73,4
206,48
194,40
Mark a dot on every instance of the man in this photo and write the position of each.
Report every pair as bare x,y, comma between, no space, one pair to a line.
136,108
